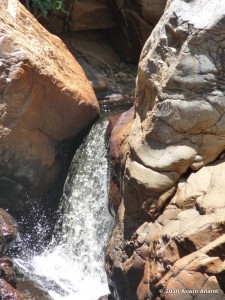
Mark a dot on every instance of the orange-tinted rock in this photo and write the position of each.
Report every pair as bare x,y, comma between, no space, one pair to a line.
6,270
8,226
46,99
128,23
134,23
7,292
175,167
91,14
118,142
8,231
119,127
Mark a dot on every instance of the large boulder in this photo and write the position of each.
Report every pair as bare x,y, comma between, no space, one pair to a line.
163,242
45,100
180,103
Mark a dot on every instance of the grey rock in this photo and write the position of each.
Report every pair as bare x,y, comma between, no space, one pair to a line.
180,93
97,80
169,236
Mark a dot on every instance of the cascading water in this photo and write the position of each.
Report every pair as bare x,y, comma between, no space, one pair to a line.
72,267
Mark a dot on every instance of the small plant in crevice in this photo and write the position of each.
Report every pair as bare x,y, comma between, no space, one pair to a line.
42,7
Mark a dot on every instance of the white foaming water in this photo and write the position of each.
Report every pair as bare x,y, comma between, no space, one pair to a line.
72,268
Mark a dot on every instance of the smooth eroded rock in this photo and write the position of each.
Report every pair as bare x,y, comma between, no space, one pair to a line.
183,249
119,127
180,100
169,232
45,99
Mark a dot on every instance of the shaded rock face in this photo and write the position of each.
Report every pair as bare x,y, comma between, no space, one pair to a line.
8,234
152,10
91,14
169,231
134,23
45,99
127,23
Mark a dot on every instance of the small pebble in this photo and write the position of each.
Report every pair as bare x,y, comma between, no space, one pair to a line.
122,75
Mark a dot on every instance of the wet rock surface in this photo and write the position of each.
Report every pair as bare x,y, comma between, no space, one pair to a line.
8,227
8,281
7,272
29,290
119,126
169,232
8,292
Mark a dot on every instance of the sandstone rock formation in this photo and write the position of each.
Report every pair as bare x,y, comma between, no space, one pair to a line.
184,247
45,100
128,23
8,230
8,234
91,14
169,237
152,10
134,22
179,122
119,128
8,292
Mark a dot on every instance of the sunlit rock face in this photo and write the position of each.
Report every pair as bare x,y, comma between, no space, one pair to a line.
180,104
45,99
185,247
170,224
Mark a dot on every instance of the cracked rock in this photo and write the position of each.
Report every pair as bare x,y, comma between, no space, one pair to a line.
170,228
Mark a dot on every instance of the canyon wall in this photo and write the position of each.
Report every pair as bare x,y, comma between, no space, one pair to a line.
169,231
126,24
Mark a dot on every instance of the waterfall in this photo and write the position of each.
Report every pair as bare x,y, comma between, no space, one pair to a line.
72,267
